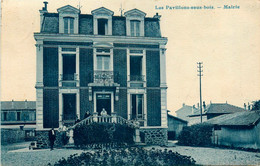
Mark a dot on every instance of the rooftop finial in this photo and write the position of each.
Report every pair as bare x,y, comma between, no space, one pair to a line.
79,6
121,9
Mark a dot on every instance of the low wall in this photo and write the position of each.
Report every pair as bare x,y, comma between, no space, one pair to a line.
12,136
155,136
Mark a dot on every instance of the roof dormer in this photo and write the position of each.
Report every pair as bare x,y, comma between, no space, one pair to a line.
68,19
135,22
102,20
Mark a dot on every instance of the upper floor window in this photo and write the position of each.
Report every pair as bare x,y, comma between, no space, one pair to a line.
68,19
5,116
18,116
103,62
102,20
68,25
135,22
102,26
135,27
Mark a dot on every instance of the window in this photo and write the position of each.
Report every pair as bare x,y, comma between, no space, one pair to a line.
135,27
137,106
69,66
5,116
18,116
136,68
68,25
102,26
103,62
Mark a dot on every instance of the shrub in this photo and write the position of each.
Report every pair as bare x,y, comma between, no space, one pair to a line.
61,139
102,133
125,157
196,135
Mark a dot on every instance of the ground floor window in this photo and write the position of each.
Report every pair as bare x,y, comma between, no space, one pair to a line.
137,106
69,107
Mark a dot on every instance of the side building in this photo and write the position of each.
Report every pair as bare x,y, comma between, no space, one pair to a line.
90,62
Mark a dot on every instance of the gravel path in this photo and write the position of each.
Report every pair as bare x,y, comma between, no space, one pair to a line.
19,154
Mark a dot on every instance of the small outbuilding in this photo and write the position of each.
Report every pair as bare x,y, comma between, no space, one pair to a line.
175,126
241,129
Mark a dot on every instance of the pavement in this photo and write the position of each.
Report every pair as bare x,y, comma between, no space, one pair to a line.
19,154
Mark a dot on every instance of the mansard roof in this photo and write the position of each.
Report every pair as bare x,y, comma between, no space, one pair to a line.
68,8
102,10
135,12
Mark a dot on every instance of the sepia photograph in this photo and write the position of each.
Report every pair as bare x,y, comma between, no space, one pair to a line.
130,82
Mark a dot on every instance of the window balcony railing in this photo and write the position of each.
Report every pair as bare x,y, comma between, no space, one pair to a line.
69,77
136,77
103,77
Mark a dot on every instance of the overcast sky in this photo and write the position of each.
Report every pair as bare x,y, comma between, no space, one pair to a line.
226,40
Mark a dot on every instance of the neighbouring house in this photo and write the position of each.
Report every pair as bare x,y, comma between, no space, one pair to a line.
185,111
213,110
175,126
240,129
91,62
18,120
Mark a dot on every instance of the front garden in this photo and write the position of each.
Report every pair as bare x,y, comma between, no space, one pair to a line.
127,156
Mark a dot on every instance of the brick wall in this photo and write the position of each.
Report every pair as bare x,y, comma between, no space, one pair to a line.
50,108
119,26
50,67
121,104
86,66
153,68
85,104
86,24
153,107
120,66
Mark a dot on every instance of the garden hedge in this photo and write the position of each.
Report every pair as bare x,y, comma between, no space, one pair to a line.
196,135
102,133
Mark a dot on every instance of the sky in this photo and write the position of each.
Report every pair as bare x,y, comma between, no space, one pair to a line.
225,40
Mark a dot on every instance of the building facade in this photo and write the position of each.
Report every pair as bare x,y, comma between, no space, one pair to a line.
175,126
91,62
17,113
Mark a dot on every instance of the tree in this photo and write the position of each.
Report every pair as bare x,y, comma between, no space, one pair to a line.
256,105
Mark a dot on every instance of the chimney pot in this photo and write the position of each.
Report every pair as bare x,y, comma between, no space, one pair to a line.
45,5
183,104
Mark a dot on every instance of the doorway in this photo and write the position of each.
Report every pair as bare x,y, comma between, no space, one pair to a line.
103,101
69,106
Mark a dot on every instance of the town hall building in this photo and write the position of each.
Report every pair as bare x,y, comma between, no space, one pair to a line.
91,62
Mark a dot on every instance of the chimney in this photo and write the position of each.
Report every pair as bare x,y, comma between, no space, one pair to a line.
44,10
198,105
210,102
249,107
157,16
26,103
45,5
183,104
226,102
245,106
204,105
192,109
13,103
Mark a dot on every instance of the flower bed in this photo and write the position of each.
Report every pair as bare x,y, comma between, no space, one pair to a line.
125,157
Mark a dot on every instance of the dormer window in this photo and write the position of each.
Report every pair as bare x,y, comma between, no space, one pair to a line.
102,26
68,25
135,22
135,27
68,20
102,21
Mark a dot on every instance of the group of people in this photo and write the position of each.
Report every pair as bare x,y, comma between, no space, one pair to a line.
52,133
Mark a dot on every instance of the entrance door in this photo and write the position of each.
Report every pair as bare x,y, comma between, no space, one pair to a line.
103,101
69,106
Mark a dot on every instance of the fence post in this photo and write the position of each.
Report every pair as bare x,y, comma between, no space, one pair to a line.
137,136
95,115
71,140
113,114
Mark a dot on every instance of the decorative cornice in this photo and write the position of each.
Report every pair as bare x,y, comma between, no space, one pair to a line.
97,38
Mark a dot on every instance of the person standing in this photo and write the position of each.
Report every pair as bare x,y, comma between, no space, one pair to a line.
52,137
87,114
